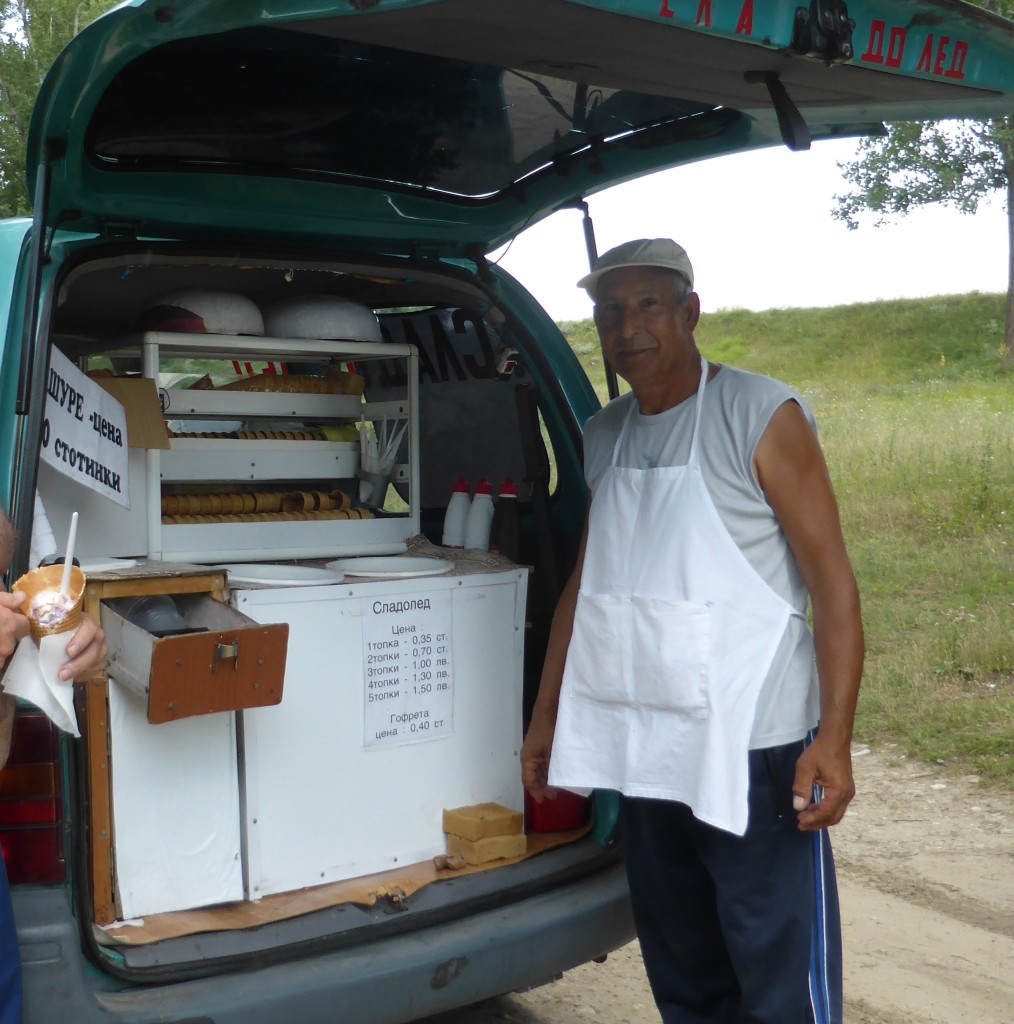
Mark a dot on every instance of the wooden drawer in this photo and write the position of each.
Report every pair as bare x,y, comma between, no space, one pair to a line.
233,664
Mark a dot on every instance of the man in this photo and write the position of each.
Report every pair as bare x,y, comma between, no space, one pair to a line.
680,669
87,654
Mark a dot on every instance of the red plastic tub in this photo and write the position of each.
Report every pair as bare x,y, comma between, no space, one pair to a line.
567,811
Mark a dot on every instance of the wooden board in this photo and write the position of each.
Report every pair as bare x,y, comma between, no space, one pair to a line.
396,885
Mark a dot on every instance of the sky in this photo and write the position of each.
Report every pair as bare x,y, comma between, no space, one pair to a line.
760,235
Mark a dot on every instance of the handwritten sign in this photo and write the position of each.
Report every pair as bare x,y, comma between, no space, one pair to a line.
84,434
408,673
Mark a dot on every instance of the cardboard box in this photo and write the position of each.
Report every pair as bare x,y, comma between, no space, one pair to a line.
139,398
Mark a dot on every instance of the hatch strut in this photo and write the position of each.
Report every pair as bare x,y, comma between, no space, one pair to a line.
31,388
795,133
612,387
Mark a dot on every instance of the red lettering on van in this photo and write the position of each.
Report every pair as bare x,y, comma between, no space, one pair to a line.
704,13
745,24
666,11
896,47
875,47
933,59
957,68
926,57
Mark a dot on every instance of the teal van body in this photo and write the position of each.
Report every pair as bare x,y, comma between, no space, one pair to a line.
373,151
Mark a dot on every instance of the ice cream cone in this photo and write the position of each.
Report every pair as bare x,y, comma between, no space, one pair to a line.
48,578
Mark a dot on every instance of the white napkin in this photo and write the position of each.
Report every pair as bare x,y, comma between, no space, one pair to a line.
33,673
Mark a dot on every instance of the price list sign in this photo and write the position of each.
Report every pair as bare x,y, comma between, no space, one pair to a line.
408,669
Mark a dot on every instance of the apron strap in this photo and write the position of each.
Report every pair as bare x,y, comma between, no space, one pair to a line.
623,433
695,458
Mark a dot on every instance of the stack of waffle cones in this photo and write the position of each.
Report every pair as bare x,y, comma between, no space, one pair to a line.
48,579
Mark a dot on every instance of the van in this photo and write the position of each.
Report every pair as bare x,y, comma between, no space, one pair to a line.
252,344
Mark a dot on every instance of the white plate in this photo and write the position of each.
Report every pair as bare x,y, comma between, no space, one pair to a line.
391,567
281,575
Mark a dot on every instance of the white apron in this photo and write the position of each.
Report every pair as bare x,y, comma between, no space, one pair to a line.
674,634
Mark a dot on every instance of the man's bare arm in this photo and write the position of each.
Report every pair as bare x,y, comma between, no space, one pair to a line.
791,470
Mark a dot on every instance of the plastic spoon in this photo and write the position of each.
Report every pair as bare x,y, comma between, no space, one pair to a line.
392,446
68,559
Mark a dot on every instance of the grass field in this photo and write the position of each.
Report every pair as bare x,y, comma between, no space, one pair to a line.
916,415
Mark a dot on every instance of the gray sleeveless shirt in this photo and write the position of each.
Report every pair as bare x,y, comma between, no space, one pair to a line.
737,409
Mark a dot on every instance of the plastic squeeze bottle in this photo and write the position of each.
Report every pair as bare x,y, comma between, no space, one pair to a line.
504,534
457,515
480,517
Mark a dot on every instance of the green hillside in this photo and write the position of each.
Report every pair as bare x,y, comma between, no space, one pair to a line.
916,415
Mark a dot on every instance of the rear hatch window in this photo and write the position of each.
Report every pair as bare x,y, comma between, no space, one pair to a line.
306,105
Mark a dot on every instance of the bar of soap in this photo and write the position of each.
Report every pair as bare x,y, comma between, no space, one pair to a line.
480,851
481,820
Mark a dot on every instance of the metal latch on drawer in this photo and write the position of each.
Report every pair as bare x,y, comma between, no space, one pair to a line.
226,652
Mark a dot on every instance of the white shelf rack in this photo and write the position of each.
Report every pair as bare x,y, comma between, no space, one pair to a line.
303,465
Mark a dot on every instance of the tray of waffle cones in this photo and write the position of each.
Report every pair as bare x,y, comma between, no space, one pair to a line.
260,506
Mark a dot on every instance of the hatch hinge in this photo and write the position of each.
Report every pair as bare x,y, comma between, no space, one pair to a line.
478,256
795,133
824,30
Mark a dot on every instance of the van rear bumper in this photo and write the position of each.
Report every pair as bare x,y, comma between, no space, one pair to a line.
391,981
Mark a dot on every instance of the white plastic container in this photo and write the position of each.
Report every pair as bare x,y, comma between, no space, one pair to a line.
480,517
456,515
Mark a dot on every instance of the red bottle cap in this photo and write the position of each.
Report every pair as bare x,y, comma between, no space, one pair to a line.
483,486
461,486
509,489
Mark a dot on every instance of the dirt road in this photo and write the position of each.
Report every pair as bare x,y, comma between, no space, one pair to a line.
926,873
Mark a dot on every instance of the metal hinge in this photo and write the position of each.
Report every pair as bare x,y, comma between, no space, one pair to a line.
824,30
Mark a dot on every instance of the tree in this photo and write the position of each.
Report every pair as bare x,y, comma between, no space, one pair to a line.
32,35
956,163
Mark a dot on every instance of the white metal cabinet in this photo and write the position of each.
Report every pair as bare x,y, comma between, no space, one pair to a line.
319,804
175,808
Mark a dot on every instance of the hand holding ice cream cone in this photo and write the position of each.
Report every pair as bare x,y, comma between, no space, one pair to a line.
55,593
50,609
86,647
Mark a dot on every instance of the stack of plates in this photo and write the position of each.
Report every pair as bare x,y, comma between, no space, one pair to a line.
281,575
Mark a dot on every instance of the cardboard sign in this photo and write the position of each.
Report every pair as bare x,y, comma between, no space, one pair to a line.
84,434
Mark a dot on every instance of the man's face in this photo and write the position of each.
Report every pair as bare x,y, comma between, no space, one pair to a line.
646,334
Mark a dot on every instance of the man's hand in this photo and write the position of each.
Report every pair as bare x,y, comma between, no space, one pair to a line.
86,652
535,753
13,624
829,765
